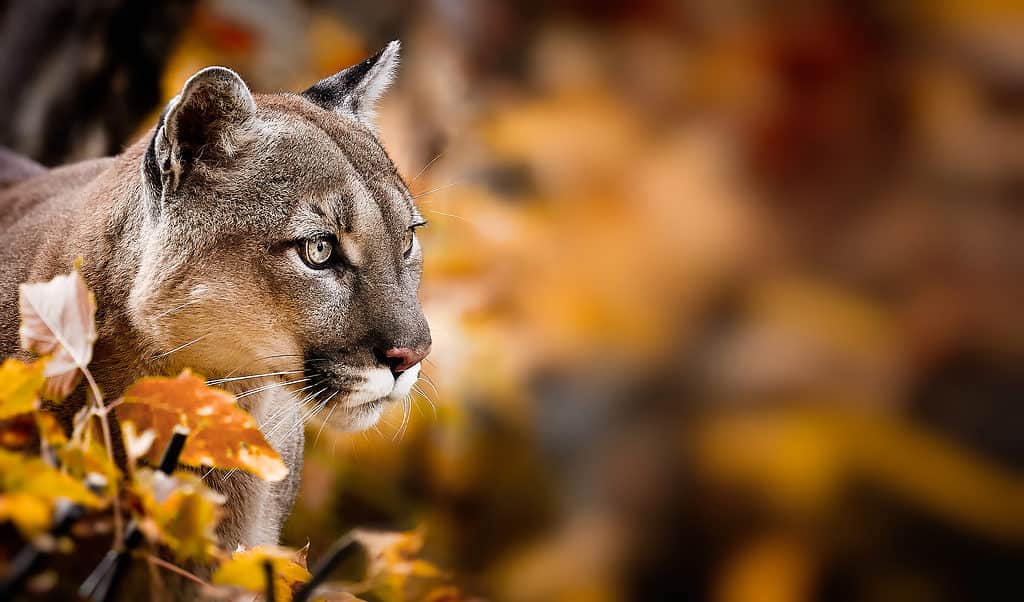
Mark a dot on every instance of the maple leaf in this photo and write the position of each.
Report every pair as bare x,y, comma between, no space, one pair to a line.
181,511
29,487
221,435
19,387
58,319
245,570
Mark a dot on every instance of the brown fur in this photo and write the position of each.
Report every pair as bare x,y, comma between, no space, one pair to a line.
191,241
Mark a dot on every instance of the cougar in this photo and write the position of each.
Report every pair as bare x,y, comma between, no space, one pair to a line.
266,242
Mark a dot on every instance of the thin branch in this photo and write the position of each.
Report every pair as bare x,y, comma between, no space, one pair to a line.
160,562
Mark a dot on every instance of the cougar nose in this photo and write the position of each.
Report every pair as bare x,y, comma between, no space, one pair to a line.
400,359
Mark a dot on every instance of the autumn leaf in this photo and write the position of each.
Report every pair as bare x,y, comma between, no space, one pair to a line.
58,319
391,559
136,445
29,487
222,435
181,511
19,387
50,430
29,513
245,570
90,457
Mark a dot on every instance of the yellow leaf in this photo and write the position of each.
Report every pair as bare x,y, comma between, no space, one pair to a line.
19,387
25,477
50,430
58,319
29,513
182,512
221,434
80,460
245,570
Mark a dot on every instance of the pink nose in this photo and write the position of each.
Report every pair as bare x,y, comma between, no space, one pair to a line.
403,358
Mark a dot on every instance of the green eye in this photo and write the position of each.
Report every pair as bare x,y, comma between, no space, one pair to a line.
317,252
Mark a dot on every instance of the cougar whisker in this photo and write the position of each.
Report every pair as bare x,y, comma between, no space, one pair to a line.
180,347
324,422
177,308
261,359
433,408
426,167
270,387
218,381
437,189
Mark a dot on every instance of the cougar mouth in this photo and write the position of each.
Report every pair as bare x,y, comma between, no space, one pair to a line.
356,395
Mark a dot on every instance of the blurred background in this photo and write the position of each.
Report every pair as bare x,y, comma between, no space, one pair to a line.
725,296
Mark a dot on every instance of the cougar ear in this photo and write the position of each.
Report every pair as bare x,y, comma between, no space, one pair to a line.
204,122
355,90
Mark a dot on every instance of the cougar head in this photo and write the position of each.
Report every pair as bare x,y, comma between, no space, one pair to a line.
279,239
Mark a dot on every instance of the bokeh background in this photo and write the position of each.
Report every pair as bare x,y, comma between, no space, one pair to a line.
726,296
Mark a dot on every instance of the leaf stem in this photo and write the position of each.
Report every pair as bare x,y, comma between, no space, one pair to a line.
108,443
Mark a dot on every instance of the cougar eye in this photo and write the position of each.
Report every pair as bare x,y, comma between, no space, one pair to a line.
317,252
410,238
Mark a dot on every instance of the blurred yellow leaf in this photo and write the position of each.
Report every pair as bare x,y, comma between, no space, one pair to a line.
19,387
221,434
181,511
28,485
803,459
390,557
79,460
50,430
58,319
28,512
245,570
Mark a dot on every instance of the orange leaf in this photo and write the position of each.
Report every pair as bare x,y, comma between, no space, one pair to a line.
222,435
58,319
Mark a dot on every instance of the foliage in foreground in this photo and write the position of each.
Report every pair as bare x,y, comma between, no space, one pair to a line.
44,470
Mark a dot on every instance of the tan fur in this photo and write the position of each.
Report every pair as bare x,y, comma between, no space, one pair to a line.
188,239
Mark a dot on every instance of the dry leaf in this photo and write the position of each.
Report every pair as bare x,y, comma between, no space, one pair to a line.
222,435
19,387
181,512
391,562
245,570
58,319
